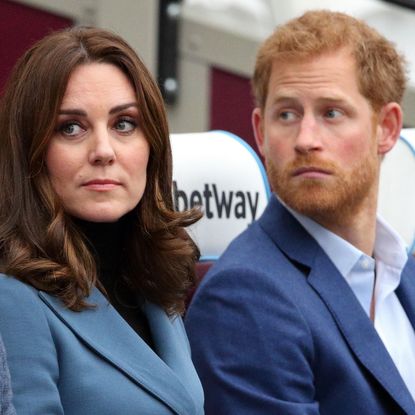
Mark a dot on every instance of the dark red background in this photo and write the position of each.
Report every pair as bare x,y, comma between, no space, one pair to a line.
20,27
231,104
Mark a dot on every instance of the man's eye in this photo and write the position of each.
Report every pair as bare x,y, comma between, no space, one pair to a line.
333,113
287,115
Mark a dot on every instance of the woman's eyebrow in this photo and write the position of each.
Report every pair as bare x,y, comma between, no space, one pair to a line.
122,107
82,113
72,111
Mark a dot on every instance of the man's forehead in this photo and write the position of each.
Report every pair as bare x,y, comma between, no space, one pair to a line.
287,97
324,71
291,59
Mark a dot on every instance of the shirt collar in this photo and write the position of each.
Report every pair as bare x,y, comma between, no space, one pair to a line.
390,248
343,254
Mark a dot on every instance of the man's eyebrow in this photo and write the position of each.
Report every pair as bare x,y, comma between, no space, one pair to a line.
333,99
284,98
323,99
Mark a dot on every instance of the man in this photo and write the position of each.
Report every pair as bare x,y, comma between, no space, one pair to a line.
6,406
311,310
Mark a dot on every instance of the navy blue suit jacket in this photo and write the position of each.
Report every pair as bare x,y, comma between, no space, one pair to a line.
275,329
92,362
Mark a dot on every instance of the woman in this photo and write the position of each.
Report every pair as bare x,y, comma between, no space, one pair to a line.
96,261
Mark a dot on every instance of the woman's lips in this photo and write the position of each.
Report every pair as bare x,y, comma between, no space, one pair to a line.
101,184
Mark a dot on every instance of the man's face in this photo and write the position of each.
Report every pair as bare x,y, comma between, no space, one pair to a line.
318,136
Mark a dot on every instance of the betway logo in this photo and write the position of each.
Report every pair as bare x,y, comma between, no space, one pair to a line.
218,204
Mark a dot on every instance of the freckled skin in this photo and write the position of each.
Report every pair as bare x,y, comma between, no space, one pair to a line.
98,157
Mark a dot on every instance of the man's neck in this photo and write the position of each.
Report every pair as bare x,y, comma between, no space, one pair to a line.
359,229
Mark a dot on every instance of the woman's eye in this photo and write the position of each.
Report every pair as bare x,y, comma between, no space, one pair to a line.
125,125
70,129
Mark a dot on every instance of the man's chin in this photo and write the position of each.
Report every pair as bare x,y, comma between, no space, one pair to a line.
314,202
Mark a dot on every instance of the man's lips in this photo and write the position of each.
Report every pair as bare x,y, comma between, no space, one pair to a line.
101,184
311,172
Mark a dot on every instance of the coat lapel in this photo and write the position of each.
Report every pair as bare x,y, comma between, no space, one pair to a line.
106,332
334,291
170,347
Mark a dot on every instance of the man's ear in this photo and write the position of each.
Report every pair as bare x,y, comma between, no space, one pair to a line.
389,127
258,127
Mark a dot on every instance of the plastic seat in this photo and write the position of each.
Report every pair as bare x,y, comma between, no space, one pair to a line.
397,187
221,173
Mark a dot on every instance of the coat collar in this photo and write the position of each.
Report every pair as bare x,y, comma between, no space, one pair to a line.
334,291
106,332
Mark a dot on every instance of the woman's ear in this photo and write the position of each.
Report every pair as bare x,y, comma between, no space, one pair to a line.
257,125
389,127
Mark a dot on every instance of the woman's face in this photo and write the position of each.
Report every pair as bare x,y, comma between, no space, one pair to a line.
98,155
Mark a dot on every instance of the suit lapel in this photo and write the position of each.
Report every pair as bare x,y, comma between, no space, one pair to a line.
334,291
106,332
357,329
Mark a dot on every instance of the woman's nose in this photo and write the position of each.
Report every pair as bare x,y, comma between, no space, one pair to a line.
102,150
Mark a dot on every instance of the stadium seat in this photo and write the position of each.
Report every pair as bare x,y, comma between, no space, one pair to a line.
221,173
397,187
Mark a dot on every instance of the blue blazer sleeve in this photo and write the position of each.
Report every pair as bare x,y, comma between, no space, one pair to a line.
6,406
30,349
234,311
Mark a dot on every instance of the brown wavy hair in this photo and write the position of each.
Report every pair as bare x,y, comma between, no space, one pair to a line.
39,243
380,68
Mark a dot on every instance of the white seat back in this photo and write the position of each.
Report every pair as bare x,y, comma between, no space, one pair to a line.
222,173
397,187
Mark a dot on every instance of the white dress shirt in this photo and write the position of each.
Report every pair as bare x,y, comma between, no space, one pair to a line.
390,255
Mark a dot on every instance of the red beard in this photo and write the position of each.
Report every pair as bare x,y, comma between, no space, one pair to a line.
335,197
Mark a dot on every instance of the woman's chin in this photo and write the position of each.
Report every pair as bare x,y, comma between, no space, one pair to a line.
100,215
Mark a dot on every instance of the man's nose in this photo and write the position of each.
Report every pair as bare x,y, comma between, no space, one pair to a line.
309,135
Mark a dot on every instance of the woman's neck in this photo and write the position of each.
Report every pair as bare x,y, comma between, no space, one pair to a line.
106,241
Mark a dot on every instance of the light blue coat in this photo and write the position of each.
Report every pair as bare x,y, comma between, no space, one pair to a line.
93,362
6,407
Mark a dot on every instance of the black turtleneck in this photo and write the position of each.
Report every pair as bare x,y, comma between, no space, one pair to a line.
107,245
